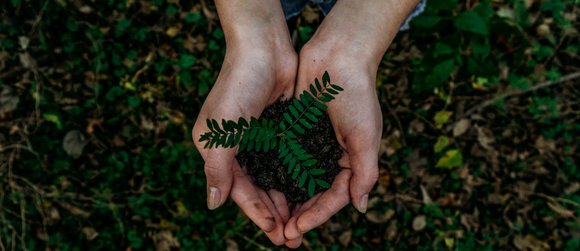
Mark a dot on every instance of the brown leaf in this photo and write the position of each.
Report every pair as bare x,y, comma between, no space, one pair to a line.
544,145
485,138
419,223
90,233
426,199
8,100
345,238
93,122
391,232
74,210
165,240
560,210
573,188
461,127
74,142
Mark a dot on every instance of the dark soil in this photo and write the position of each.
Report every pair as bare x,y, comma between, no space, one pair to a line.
270,173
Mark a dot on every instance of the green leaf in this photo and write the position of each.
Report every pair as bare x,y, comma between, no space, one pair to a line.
332,91
209,125
298,129
243,144
237,138
442,142
304,156
258,146
312,90
287,159
242,122
234,125
259,135
282,126
299,152
425,21
291,164
322,183
303,179
315,111
295,174
214,140
205,136
253,133
226,126
308,96
328,96
325,78
291,134
264,123
303,99
311,117
283,153
216,126
254,122
309,162
273,143
250,145
266,145
320,105
470,21
230,140
452,158
298,105
318,87
442,117
293,111
222,140
338,88
288,118
317,171
311,187
206,144
305,123
324,99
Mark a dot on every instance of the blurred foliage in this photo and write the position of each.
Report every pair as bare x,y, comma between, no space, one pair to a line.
98,99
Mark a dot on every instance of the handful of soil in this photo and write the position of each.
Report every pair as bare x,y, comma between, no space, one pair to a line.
319,141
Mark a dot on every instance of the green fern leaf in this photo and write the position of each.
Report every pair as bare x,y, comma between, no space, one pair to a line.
229,141
303,178
318,87
315,111
234,125
273,142
317,171
237,138
303,99
205,136
282,126
259,135
283,153
304,156
287,159
288,118
250,145
290,135
298,105
214,140
293,111
325,78
266,146
264,123
311,117
338,88
328,96
321,106
222,140
331,91
253,133
226,126
242,122
299,151
216,126
207,144
258,146
254,122
305,123
291,165
322,183
271,125
295,174
298,129
297,167
311,187
309,162
313,90
209,125
308,96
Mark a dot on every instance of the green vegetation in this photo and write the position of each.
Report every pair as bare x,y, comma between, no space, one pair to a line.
98,99
266,135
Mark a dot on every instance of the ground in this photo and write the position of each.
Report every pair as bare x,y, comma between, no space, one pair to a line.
98,99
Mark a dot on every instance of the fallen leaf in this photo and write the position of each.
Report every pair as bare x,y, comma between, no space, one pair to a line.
442,117
93,122
461,127
419,223
391,232
73,143
544,145
345,238
442,142
560,210
232,245
172,31
426,198
485,138
90,233
8,100
452,158
165,241
86,9
572,188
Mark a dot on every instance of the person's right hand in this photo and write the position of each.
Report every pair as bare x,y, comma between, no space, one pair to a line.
253,75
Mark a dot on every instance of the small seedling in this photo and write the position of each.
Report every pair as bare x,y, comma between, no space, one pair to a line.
264,135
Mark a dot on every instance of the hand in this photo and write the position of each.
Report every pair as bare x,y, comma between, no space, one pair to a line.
250,79
356,119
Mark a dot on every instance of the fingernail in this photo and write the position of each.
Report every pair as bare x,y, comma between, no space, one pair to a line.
213,198
301,231
363,203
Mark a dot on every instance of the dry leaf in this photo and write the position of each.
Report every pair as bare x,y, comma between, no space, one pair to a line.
90,233
74,142
461,127
8,100
426,199
419,223
345,238
391,232
560,210
485,138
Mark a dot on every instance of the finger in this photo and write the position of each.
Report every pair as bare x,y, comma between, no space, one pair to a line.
291,230
277,235
294,243
365,172
281,204
247,198
327,205
218,171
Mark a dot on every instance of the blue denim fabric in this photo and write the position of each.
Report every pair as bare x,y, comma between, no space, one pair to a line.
293,8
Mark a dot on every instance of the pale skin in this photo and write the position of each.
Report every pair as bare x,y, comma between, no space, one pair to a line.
260,67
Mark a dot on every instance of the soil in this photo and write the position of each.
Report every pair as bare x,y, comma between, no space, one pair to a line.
319,141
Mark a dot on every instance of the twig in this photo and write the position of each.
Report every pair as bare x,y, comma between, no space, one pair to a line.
23,216
488,102
253,242
38,18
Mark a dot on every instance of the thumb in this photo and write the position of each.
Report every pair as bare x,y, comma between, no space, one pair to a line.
218,171
364,162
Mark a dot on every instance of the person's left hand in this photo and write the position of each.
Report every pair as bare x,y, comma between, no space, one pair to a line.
357,121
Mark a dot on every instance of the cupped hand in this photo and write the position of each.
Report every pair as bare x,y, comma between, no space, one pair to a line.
251,78
357,121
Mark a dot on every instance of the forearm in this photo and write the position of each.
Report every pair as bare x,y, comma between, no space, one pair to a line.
366,27
252,21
